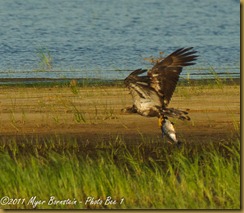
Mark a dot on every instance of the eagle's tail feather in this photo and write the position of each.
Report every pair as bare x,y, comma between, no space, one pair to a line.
176,113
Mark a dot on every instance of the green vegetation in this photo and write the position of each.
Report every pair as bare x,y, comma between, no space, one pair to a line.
45,59
145,174
116,172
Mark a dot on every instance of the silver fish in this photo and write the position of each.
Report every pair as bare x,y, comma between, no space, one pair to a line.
168,129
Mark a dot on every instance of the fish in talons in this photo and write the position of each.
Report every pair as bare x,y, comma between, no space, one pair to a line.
168,129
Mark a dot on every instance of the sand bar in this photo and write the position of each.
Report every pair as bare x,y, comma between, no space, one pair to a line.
95,112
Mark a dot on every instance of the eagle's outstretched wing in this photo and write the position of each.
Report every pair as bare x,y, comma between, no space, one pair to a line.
151,93
165,74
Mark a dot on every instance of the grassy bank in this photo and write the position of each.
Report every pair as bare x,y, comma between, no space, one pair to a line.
69,146
96,82
149,174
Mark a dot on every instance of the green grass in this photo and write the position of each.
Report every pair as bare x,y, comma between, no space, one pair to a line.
45,59
145,174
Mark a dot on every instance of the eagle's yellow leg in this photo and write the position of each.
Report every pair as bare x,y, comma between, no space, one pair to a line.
160,121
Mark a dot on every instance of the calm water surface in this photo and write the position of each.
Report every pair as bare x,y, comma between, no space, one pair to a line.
106,38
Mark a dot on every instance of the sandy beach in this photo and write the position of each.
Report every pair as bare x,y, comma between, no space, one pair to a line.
92,113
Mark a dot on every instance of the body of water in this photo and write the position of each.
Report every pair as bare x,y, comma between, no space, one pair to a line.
106,38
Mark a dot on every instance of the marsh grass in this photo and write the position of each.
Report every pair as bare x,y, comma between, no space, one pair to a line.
45,59
74,87
79,115
143,175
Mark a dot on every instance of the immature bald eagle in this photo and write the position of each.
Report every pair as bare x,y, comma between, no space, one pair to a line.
152,93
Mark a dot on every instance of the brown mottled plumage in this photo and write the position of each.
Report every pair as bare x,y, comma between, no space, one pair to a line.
152,93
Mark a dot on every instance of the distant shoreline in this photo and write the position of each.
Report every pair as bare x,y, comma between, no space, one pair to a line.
100,82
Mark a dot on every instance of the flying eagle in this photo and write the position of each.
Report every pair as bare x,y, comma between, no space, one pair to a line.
152,92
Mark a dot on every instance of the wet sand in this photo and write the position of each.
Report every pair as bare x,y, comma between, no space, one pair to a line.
94,113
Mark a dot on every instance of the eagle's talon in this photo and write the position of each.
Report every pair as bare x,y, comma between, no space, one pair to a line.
160,121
